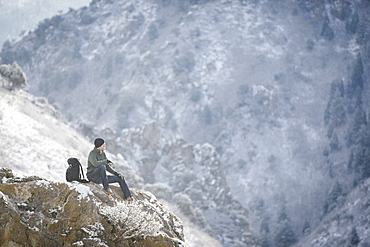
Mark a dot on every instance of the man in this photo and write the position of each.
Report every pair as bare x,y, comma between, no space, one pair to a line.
97,168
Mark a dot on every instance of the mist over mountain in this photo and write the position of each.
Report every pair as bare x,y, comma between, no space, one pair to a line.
257,106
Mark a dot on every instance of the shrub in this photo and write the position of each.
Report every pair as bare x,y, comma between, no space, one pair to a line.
12,76
132,219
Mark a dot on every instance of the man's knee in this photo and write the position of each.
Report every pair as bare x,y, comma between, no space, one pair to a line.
102,166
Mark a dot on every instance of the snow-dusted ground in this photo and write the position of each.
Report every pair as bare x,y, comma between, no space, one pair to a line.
34,142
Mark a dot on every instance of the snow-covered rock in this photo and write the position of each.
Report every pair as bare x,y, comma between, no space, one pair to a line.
38,212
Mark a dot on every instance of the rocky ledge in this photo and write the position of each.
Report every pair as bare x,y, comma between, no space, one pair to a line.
37,212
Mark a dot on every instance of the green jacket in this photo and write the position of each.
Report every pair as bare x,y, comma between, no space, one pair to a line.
97,158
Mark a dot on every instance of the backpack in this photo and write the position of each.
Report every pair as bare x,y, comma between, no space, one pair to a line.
74,171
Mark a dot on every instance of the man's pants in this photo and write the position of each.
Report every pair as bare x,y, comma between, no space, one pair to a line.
99,175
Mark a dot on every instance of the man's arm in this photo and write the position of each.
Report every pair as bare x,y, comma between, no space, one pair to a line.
93,160
110,168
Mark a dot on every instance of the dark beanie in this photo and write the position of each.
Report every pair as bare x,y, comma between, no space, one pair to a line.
98,142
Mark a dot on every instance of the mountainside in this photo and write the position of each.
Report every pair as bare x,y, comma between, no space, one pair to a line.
36,139
37,143
245,106
346,225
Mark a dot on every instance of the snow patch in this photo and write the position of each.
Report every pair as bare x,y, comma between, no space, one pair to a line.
79,243
83,190
43,183
94,230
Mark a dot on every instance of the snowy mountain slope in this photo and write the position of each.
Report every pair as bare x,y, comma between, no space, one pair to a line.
347,225
252,78
36,141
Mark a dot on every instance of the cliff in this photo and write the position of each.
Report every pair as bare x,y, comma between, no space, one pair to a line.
38,212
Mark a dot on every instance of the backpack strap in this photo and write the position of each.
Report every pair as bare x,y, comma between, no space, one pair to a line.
83,179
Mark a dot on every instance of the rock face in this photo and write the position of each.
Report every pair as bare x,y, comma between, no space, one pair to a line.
37,212
196,182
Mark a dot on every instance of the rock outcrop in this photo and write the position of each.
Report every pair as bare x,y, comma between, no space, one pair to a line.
37,212
12,76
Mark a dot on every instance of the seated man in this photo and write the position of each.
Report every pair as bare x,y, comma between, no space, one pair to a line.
97,168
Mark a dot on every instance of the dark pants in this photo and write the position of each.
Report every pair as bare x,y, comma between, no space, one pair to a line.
99,175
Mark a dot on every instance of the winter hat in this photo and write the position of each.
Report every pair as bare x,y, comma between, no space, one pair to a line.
98,142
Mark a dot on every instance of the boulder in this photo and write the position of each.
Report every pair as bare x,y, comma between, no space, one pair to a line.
38,212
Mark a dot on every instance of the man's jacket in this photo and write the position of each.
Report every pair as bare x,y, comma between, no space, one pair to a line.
97,158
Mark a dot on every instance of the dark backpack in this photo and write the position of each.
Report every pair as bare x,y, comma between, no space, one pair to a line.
75,171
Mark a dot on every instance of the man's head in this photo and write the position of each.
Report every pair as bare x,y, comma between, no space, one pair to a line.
99,143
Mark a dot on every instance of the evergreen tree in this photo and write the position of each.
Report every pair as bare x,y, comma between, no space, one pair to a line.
334,142
357,128
359,160
284,234
366,164
261,211
351,25
335,102
326,31
337,85
357,74
335,195
265,226
263,240
354,239
306,228
356,82
351,162
337,111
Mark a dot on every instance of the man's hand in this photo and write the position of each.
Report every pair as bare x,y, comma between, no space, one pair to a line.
110,163
119,175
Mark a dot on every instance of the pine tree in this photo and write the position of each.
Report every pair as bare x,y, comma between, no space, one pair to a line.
284,234
337,111
351,25
335,194
326,31
359,159
335,106
356,82
357,75
351,162
357,127
265,226
306,228
366,164
334,142
263,240
354,239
